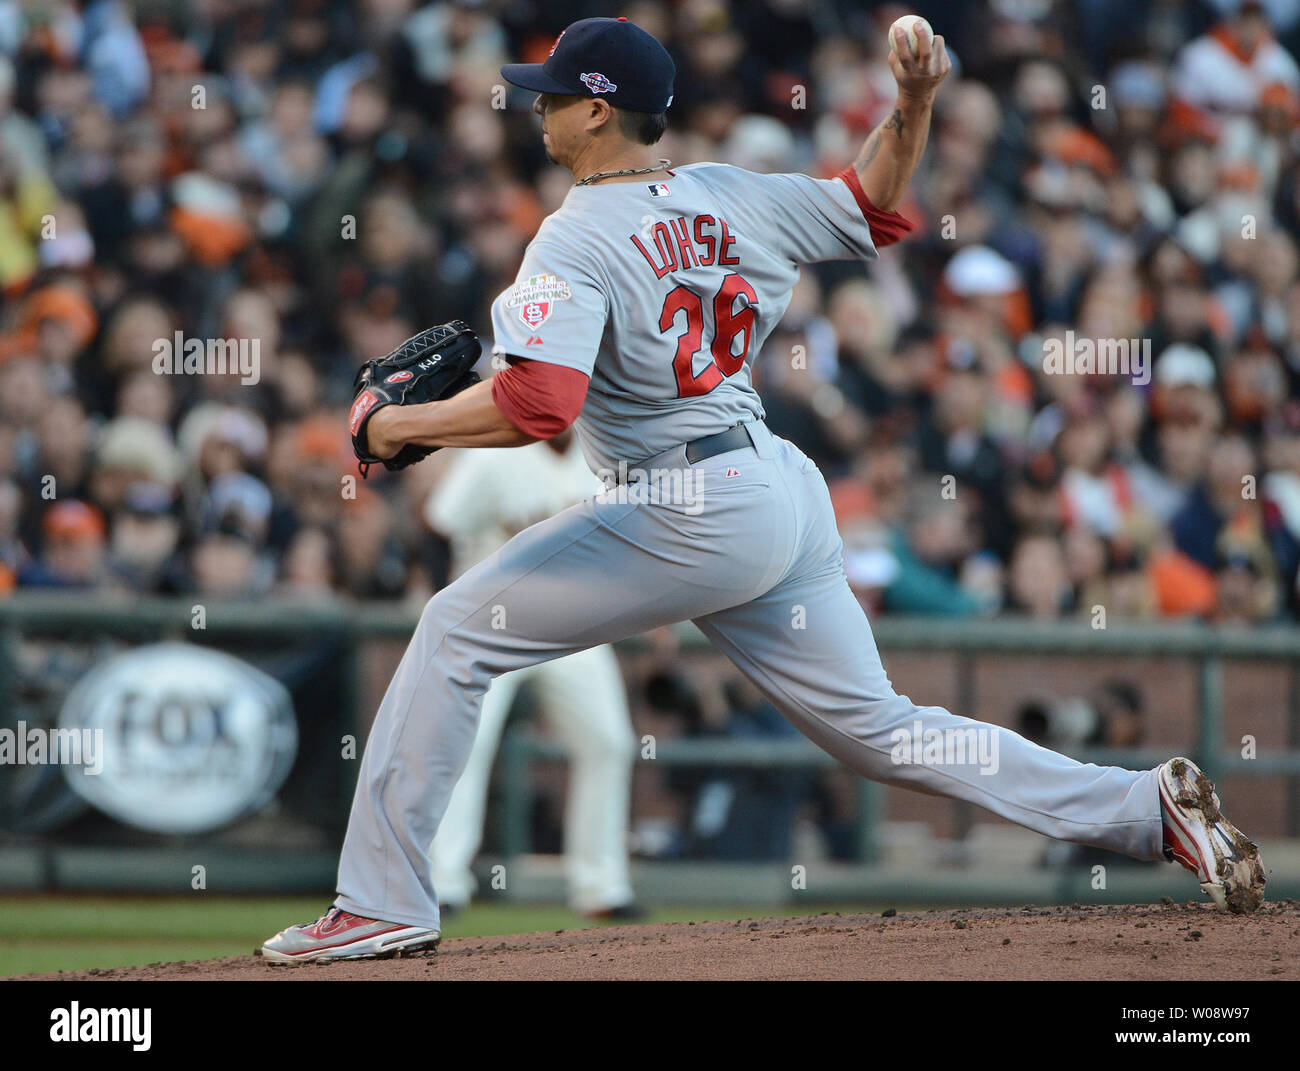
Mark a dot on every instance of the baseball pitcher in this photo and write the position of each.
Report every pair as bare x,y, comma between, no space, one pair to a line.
486,498
636,316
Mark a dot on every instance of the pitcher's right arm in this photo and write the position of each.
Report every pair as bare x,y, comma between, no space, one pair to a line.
890,154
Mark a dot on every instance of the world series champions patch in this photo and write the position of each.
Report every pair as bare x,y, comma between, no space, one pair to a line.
535,298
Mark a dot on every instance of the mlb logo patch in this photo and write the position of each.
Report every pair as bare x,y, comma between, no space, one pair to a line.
658,189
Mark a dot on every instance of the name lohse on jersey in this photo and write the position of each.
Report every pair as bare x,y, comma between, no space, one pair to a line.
662,293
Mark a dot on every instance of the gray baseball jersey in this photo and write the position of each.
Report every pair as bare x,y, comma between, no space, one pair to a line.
664,292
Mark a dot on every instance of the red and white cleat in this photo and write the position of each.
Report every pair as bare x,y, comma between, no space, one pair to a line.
1198,836
338,934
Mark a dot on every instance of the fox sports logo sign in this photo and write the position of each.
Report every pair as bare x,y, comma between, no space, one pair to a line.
193,738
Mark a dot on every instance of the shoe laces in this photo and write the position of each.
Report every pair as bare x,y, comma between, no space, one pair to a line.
326,918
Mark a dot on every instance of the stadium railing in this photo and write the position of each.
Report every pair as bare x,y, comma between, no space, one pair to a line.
69,616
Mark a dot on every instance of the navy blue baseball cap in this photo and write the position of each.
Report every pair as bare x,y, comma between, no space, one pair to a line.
610,58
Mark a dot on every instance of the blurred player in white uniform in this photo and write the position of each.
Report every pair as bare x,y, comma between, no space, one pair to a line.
485,499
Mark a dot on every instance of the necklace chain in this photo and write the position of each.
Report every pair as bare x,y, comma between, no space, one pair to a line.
621,174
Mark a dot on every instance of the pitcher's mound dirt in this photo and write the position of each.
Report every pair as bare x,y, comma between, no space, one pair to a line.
1189,941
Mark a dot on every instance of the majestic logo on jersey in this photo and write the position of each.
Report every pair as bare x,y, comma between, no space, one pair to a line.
658,189
535,298
597,83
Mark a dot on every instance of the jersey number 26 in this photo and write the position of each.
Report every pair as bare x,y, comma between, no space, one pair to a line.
728,322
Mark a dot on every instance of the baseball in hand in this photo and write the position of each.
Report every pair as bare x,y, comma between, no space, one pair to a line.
914,26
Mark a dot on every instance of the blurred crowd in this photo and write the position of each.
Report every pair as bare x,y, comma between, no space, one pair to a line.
327,178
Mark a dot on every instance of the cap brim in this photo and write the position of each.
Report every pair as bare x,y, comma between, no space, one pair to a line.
533,76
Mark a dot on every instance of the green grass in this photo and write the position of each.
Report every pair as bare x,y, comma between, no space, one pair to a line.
64,932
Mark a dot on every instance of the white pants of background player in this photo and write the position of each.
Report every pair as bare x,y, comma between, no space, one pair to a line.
582,698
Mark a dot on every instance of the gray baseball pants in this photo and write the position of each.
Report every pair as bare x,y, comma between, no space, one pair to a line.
745,545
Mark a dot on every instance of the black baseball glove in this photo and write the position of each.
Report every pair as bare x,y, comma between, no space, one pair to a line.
434,364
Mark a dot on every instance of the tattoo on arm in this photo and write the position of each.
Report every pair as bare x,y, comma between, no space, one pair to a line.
872,146
870,149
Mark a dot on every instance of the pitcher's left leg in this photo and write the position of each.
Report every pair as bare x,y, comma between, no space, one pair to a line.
600,571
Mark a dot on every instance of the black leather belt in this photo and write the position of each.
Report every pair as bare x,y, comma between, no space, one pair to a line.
734,438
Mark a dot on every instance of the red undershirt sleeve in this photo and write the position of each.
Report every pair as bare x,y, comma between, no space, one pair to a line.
538,398
886,227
